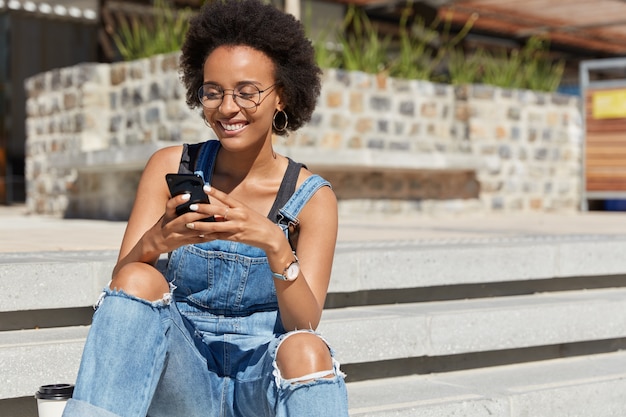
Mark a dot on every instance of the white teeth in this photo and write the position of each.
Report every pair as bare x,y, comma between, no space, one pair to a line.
236,126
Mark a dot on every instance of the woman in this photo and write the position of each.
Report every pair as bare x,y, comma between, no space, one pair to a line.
227,330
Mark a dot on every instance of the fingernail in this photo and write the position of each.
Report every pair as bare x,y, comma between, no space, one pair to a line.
185,197
193,207
190,226
206,188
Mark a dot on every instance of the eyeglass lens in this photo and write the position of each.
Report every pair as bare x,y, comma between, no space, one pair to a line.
246,95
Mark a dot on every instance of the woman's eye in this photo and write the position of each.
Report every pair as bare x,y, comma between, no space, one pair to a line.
212,95
248,92
211,92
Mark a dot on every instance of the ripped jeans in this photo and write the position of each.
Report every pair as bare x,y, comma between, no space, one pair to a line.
171,359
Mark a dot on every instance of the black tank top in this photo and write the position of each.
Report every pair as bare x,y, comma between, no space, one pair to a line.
189,164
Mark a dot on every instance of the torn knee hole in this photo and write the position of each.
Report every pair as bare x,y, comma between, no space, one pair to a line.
111,290
311,377
141,281
318,363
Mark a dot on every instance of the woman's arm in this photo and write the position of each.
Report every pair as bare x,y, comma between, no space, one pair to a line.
301,302
152,227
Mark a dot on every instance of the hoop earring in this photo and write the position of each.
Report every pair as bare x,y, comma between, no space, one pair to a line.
206,123
284,127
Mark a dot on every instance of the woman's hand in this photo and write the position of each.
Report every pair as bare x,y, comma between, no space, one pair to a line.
234,221
172,231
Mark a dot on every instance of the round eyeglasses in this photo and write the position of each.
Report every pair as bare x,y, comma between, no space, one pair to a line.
246,96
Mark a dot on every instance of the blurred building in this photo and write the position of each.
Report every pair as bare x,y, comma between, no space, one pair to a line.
35,36
39,35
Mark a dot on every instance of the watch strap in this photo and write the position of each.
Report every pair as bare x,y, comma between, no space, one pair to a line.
283,276
279,276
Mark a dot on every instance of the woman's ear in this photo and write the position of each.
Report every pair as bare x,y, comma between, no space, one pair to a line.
280,104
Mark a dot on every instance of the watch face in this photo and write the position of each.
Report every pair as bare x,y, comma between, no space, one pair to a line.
292,271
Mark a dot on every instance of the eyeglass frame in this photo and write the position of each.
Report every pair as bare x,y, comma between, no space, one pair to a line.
234,95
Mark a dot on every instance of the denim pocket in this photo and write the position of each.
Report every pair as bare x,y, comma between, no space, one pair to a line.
223,277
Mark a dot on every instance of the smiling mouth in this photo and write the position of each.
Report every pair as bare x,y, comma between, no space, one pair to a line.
232,127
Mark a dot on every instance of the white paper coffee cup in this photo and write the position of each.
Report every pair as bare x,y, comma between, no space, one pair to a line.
51,399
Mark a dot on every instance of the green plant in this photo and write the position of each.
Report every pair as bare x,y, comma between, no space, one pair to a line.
326,52
432,53
541,73
423,49
529,67
362,49
164,33
503,69
414,60
463,68
326,55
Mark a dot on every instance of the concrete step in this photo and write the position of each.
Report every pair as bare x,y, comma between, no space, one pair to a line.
31,358
592,385
375,333
370,334
45,277
47,280
419,264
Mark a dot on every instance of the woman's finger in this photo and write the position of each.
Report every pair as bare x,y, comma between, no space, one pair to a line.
221,196
229,204
172,203
176,201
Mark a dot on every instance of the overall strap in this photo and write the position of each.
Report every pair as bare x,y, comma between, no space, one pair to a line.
286,190
300,197
199,158
188,158
206,160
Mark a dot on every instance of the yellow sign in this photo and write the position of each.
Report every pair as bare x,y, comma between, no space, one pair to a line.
609,104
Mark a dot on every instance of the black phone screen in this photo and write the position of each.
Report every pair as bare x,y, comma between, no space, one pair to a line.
187,183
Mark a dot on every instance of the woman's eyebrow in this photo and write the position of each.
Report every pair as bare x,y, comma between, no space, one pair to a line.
238,83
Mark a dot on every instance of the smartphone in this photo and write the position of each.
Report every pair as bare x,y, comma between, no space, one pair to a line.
191,184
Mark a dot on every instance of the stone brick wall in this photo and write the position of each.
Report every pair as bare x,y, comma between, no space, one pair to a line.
531,145
386,144
91,128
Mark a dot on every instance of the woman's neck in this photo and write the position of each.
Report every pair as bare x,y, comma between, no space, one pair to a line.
233,168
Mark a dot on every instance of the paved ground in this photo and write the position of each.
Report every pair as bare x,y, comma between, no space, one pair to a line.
20,232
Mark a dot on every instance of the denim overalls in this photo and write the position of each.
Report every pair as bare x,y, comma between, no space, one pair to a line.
208,348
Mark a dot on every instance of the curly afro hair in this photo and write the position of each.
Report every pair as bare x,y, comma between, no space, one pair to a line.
262,27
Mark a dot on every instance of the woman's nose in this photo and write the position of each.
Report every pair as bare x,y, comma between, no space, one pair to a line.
229,104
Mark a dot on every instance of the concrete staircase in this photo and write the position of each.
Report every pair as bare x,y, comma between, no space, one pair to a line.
506,327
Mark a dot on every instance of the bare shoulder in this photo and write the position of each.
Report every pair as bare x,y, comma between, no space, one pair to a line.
168,157
322,205
161,162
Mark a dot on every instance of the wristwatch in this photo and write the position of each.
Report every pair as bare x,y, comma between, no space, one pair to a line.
290,272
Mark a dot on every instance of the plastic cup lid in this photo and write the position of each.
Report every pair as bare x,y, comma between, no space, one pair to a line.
55,392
